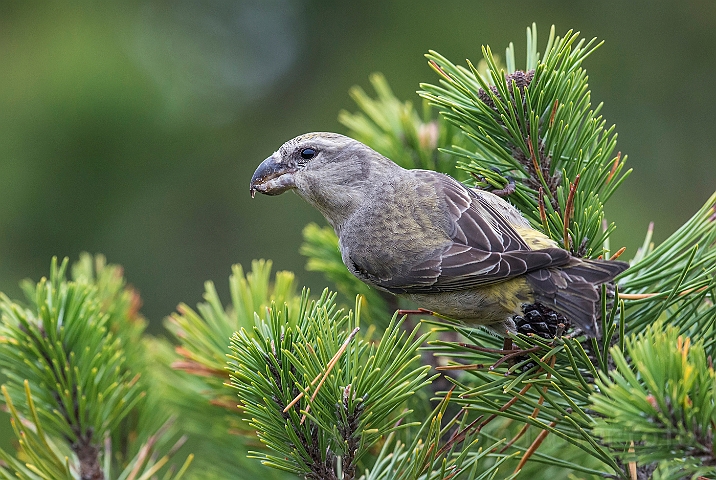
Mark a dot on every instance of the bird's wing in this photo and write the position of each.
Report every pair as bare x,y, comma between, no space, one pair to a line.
483,247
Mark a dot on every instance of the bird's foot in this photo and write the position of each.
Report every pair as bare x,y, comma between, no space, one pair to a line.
509,189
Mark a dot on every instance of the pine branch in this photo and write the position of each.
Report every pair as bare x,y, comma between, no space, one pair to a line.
48,462
196,384
536,128
217,436
204,334
66,370
439,450
355,403
660,399
676,279
119,301
545,387
62,345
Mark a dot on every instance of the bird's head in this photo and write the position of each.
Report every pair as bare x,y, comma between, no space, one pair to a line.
331,171
336,158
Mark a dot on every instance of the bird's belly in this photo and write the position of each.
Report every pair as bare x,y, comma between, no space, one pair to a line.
482,306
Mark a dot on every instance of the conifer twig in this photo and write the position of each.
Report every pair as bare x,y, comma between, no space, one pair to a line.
332,363
568,209
642,296
534,446
535,412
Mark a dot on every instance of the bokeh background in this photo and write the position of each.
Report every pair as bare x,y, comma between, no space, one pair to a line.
132,128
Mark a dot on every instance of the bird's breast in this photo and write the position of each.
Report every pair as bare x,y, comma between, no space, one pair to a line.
386,238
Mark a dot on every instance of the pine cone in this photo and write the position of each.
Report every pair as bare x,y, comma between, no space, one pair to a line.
540,320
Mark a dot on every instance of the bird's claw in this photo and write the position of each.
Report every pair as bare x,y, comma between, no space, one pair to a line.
509,189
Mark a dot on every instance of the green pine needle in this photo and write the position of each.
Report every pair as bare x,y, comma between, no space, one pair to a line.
340,412
62,345
538,128
660,399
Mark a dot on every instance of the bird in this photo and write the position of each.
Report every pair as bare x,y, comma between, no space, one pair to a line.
461,252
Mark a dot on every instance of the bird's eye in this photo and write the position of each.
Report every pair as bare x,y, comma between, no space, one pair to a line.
308,153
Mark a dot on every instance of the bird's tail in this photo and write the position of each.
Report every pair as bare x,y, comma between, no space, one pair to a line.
572,290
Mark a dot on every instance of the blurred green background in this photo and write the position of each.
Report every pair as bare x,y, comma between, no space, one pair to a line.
132,128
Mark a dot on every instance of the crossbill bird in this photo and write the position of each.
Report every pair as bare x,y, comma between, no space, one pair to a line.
461,252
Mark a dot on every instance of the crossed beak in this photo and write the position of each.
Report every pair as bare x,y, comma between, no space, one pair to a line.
272,177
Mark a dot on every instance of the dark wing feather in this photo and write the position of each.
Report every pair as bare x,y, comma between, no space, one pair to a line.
474,221
482,249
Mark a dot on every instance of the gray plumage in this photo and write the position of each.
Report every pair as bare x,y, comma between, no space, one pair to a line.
461,252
